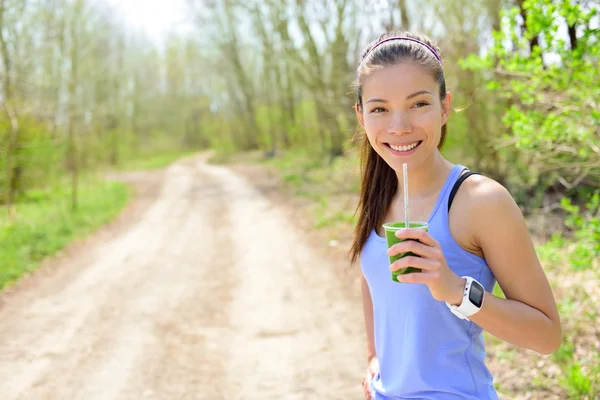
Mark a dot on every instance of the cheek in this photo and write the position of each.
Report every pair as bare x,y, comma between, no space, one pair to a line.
371,138
374,125
371,130
431,118
430,122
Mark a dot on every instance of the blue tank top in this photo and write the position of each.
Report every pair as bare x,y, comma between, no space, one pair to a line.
425,351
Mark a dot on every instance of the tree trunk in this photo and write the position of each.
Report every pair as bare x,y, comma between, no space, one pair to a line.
12,167
573,36
71,136
284,76
115,122
231,52
135,113
315,81
534,41
268,68
404,14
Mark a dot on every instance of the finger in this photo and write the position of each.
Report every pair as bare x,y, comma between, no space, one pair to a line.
424,264
416,233
414,247
425,278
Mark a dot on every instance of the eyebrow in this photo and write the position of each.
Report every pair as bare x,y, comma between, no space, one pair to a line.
420,92
410,96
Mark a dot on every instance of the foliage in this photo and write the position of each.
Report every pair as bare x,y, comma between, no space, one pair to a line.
275,75
551,81
328,194
154,161
37,157
46,224
586,226
81,93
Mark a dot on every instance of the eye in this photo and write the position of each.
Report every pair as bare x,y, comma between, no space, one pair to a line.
421,104
378,110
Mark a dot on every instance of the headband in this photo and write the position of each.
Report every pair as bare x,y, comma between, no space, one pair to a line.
404,38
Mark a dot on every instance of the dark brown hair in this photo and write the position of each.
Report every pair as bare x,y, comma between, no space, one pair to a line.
379,182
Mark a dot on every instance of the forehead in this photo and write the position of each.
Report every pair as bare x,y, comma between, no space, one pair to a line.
399,79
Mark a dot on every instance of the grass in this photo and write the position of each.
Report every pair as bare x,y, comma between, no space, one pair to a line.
576,382
331,188
573,370
156,161
45,223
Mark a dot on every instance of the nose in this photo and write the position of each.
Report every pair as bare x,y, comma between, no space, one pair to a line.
399,124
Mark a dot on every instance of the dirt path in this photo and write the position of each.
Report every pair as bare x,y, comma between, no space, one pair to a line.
208,293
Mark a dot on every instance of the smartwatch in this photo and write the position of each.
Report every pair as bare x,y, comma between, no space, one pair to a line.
472,299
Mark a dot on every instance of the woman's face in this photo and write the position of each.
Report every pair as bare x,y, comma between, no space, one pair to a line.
402,113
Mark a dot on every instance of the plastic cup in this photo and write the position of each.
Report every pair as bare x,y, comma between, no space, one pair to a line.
390,234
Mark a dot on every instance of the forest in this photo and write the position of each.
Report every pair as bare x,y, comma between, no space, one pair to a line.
82,94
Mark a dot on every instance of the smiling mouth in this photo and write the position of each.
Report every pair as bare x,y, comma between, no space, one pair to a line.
404,148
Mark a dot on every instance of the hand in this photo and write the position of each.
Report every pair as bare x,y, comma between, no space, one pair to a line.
443,283
371,371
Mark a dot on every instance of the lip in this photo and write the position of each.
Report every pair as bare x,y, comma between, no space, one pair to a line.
404,153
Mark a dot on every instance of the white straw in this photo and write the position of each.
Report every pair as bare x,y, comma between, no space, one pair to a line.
405,181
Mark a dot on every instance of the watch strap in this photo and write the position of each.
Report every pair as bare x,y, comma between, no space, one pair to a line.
466,307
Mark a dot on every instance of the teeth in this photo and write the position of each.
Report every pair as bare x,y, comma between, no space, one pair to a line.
404,148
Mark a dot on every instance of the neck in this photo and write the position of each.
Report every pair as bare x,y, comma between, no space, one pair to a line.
425,180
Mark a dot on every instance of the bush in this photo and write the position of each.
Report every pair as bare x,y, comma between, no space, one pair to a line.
552,85
586,230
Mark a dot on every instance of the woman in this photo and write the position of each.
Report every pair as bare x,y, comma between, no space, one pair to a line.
424,332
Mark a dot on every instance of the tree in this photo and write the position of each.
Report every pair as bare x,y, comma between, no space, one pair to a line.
553,88
7,33
326,73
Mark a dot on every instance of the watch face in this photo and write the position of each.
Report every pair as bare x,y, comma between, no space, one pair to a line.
476,294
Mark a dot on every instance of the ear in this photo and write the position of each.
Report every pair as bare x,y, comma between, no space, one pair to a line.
446,108
359,115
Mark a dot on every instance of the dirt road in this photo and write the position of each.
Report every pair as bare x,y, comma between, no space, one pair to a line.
208,293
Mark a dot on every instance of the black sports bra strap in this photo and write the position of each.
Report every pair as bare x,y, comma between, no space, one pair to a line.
457,185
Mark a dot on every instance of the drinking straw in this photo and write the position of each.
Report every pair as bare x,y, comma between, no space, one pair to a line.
405,182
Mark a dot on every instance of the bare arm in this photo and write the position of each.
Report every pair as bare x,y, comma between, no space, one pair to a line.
528,317
368,313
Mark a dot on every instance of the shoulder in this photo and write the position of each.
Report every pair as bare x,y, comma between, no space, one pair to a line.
489,205
485,193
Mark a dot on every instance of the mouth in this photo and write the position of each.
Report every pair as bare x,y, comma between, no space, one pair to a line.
403,149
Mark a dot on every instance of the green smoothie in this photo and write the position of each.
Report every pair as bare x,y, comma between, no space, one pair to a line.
390,230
